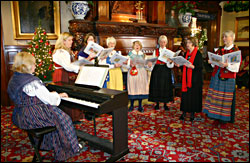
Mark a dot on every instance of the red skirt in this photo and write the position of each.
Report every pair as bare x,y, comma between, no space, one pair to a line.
61,75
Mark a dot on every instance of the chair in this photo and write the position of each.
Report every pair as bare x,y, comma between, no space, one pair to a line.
38,133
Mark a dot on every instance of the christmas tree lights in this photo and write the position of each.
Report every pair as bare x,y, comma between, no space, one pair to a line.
40,48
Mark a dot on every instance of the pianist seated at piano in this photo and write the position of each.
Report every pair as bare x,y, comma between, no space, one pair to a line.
63,57
90,37
115,73
36,107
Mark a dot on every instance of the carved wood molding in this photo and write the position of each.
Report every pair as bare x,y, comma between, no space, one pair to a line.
81,27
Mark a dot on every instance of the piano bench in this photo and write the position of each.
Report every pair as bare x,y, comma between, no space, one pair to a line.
38,133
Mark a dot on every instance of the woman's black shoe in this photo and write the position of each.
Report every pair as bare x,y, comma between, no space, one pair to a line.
182,117
156,107
130,109
192,117
141,109
166,107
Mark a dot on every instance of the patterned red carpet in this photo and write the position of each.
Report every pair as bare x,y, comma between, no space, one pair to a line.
153,136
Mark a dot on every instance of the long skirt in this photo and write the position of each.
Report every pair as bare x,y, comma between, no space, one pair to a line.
36,114
115,79
138,85
61,75
220,101
191,101
161,87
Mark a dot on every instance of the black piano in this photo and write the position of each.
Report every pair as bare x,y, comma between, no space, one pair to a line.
99,101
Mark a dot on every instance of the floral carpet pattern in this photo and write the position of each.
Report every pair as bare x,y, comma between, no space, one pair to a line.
153,136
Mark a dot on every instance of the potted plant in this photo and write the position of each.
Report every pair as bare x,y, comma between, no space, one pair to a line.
186,11
79,9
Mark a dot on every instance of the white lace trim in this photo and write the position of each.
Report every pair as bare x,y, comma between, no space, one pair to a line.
139,53
31,87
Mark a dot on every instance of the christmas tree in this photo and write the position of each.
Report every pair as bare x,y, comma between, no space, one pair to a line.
40,48
202,38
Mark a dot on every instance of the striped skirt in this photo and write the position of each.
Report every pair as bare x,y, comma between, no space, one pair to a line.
35,114
220,100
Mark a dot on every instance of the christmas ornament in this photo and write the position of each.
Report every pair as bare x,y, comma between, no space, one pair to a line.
40,48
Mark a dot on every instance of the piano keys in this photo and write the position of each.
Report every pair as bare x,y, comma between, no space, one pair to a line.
81,102
99,101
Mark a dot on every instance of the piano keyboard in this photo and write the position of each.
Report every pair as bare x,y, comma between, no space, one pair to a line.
81,102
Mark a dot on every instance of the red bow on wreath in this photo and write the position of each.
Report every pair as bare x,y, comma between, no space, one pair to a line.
133,71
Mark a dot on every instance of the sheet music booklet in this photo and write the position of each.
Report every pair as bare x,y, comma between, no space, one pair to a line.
144,62
168,54
234,57
118,58
92,76
98,50
180,60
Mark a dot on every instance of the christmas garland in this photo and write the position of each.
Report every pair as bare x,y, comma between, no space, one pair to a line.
236,6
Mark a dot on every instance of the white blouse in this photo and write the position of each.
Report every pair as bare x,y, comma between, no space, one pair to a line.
62,58
36,88
170,65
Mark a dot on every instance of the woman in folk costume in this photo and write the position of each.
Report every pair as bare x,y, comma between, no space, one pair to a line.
36,107
65,71
220,100
161,87
137,77
192,80
115,72
90,37
62,56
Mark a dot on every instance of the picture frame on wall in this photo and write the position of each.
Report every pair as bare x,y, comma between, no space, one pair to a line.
242,28
27,15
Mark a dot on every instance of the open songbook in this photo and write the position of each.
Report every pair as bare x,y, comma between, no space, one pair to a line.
98,50
180,60
168,54
92,76
234,57
118,58
144,62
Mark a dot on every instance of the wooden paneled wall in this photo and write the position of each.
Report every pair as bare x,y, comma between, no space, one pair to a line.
4,74
125,43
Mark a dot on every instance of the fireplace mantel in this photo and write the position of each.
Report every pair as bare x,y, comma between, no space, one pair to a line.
79,28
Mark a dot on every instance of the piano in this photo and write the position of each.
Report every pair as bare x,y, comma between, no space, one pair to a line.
99,101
